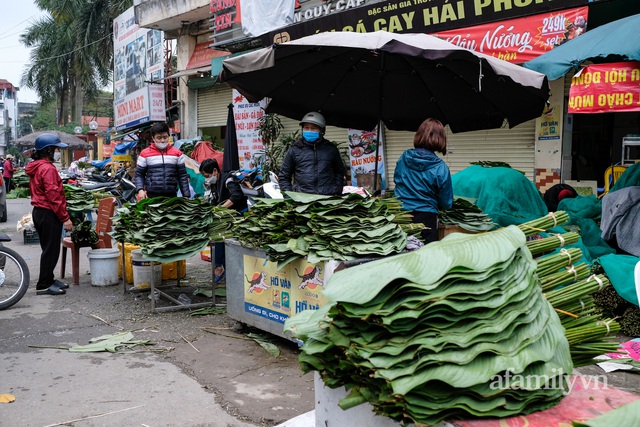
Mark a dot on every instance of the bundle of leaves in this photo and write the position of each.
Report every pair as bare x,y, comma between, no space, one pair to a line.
456,329
326,227
490,164
78,199
465,214
187,148
609,302
83,233
166,229
20,179
19,193
568,284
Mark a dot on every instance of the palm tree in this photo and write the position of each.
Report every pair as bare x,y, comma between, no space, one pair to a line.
73,51
51,61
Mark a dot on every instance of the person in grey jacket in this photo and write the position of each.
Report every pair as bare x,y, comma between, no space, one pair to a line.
312,164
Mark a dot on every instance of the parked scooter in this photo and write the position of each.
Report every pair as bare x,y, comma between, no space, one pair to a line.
269,189
119,185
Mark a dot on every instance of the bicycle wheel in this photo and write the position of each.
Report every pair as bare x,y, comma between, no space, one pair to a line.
14,277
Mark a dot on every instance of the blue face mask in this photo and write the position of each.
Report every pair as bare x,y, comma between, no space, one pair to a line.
310,135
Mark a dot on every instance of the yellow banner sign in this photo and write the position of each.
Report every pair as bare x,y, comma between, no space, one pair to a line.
277,294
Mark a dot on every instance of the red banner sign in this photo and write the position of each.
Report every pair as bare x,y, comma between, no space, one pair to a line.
520,40
606,88
203,54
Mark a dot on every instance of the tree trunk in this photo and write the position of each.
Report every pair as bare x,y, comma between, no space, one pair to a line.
63,118
76,100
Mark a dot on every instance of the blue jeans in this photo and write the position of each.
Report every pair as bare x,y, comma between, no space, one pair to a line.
219,254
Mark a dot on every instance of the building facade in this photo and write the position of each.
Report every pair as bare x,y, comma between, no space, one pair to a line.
547,150
8,114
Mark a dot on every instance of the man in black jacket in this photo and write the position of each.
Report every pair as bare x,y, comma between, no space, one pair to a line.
312,163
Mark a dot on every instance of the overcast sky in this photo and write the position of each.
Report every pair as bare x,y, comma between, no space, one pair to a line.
17,16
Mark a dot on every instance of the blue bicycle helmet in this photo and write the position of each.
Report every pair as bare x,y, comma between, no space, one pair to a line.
47,140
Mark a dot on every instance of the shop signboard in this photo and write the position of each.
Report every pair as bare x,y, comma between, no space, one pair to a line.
247,117
138,59
522,39
203,55
107,150
606,88
411,16
276,295
362,158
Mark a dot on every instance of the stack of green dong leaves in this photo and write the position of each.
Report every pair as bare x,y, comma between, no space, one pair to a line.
465,214
78,199
457,329
326,227
169,229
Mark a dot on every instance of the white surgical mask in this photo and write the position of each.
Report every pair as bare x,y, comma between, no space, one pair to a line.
56,156
161,145
211,180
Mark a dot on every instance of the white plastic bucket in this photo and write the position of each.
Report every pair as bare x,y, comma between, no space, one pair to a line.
104,266
143,274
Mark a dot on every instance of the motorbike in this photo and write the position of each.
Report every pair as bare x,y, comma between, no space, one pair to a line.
118,184
269,189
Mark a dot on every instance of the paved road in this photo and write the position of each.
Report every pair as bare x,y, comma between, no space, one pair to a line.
201,371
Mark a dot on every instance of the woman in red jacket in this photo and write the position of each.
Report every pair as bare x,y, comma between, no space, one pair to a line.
7,173
49,211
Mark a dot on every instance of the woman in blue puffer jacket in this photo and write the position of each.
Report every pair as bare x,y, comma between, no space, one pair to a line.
423,180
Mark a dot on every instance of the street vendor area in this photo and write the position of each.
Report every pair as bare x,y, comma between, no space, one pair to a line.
406,323
517,313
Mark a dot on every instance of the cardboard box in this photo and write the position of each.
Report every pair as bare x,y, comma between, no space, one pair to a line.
444,230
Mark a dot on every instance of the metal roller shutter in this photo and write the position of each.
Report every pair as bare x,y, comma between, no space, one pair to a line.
212,106
513,146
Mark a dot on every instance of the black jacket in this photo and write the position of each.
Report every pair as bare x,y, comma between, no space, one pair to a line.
314,168
228,188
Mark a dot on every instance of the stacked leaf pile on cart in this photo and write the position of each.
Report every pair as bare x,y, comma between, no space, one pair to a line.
458,329
326,228
78,199
172,229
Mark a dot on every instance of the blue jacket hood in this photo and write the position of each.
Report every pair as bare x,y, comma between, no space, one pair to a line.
421,159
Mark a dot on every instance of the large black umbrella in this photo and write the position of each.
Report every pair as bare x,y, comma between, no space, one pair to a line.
230,160
357,80
74,143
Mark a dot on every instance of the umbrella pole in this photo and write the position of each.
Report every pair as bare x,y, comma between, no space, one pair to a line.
378,131
375,175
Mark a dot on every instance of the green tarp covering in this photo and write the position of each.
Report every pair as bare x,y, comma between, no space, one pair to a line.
505,194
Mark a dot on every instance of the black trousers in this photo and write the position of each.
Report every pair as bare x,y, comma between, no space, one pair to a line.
8,185
430,221
49,230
